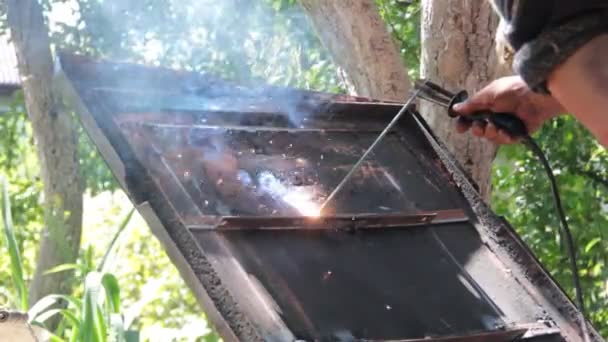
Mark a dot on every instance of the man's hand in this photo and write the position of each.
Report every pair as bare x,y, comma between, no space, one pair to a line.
507,95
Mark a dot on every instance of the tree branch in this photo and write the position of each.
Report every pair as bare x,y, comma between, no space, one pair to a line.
357,38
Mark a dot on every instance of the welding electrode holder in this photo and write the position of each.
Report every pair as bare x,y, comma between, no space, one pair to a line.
508,122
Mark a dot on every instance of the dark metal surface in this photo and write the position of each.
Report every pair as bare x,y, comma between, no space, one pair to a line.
228,172
274,285
357,165
370,284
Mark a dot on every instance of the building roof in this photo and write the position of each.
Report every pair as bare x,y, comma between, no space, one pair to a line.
9,73
223,175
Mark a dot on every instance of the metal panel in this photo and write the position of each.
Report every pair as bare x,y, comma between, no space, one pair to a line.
197,149
262,173
373,284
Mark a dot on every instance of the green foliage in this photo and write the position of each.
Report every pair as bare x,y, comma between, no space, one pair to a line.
95,171
19,162
154,297
93,318
17,129
112,247
16,265
258,41
88,319
522,194
403,21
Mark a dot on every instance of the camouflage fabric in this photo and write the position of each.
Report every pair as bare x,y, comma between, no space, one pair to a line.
544,33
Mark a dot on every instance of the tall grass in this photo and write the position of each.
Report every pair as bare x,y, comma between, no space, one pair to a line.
16,263
97,315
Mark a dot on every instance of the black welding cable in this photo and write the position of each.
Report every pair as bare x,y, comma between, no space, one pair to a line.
536,150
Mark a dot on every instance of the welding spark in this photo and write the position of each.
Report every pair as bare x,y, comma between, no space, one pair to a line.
302,201
297,197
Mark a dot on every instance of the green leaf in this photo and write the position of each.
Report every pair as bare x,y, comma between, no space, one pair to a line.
112,290
47,302
92,328
100,325
71,317
123,225
88,260
46,315
55,338
42,306
13,249
591,244
62,267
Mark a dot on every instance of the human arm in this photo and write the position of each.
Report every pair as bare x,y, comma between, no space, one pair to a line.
581,85
578,86
561,48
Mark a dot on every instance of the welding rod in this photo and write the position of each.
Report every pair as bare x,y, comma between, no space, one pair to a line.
369,150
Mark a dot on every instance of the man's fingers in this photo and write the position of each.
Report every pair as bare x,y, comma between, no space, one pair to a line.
491,132
462,125
504,138
480,101
486,130
478,128
466,107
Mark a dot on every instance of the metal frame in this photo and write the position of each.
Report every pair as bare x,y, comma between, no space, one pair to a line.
337,222
230,310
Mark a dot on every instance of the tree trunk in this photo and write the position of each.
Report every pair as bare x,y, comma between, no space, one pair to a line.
357,38
458,52
457,49
55,138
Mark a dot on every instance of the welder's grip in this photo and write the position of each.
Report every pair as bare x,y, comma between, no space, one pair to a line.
508,122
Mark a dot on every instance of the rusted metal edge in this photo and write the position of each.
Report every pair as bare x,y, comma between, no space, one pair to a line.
336,222
539,329
253,129
520,332
260,102
339,222
508,335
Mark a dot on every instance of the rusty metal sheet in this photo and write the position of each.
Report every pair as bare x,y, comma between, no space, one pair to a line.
372,283
240,172
193,149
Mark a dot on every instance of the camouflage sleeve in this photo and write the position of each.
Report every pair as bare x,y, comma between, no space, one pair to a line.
545,33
